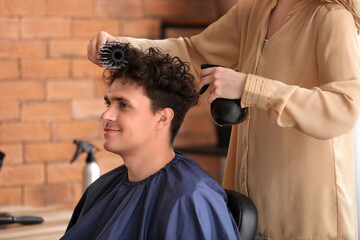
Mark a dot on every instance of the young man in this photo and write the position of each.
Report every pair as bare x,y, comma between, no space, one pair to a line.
157,193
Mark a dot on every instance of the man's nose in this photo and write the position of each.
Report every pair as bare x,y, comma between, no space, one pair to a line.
108,115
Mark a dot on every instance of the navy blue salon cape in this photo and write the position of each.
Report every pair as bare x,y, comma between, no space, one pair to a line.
181,201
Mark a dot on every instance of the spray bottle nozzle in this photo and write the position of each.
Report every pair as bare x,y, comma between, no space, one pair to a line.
82,146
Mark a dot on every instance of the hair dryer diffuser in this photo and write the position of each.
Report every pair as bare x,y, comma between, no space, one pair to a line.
225,112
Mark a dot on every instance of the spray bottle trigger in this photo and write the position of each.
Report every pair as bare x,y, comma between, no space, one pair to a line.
82,146
77,153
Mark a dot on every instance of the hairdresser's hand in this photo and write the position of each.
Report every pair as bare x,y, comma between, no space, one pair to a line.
96,43
224,83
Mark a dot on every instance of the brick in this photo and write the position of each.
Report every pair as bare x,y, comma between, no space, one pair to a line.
30,49
197,128
77,192
52,194
35,28
9,69
79,8
196,9
211,164
45,111
9,28
58,194
87,108
68,48
223,6
123,9
88,28
28,132
20,90
85,68
64,172
9,110
43,69
195,139
34,195
22,8
202,109
100,88
49,152
22,175
13,154
144,28
76,130
10,196
68,89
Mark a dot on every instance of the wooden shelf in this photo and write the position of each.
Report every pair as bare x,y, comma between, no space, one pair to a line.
55,222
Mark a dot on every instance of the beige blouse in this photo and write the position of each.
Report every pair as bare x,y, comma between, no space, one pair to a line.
293,156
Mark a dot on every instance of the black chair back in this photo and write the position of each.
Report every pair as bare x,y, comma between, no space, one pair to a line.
2,155
244,213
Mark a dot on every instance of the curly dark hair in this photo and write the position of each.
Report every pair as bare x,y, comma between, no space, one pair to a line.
166,81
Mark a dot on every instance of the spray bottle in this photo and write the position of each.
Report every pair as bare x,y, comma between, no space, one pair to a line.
91,171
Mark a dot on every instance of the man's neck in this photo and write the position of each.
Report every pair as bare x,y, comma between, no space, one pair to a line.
143,164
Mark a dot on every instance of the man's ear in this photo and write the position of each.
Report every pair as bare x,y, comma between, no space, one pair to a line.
165,117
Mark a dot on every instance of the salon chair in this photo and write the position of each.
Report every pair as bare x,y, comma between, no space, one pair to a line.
244,213
2,155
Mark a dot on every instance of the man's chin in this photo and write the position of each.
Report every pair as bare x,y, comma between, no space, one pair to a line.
108,147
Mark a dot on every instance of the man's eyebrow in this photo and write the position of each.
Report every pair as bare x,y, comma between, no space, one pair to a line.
106,98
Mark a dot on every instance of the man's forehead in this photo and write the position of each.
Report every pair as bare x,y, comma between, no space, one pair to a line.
125,91
123,85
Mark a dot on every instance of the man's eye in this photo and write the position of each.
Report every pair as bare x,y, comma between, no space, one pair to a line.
107,104
124,105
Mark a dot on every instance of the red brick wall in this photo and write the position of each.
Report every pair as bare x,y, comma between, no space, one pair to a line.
50,94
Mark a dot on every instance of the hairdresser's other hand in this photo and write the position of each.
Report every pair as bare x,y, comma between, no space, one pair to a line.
224,83
95,43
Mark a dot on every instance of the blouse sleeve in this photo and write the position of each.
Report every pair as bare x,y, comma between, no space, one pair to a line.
323,112
215,45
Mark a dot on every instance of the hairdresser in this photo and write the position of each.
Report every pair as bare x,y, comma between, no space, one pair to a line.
295,64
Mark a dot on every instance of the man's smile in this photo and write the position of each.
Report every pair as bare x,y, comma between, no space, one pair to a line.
111,130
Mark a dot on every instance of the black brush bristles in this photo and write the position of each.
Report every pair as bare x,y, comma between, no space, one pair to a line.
113,55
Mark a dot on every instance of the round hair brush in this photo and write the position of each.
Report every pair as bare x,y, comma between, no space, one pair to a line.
112,55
